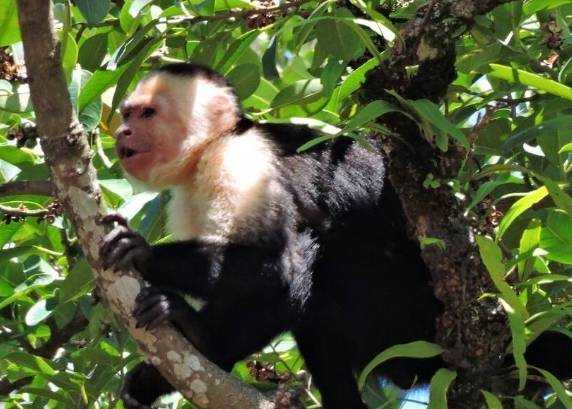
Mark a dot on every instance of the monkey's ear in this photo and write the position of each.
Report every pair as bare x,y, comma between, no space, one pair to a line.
224,113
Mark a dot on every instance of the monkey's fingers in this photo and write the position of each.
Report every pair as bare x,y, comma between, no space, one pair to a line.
110,239
111,219
144,304
121,247
154,316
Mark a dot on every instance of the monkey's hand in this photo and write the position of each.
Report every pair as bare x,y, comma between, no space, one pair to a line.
123,248
142,386
155,306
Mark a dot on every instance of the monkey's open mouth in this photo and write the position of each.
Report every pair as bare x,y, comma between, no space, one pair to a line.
125,152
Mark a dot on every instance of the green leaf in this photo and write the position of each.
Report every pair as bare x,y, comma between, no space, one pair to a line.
560,197
354,81
439,385
94,11
566,148
367,114
533,6
235,51
69,54
9,27
492,401
522,403
492,257
528,242
528,134
128,75
97,84
431,113
314,142
558,388
59,396
204,8
269,60
245,79
15,97
519,207
556,237
78,282
416,349
518,345
301,92
31,364
338,38
39,312
386,27
514,75
92,51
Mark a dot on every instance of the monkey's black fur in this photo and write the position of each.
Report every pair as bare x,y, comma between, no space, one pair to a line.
329,261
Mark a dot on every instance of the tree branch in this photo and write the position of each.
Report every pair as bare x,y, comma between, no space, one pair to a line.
19,212
31,187
69,158
472,330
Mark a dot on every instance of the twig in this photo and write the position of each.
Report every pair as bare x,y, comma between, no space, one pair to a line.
31,187
19,212
249,12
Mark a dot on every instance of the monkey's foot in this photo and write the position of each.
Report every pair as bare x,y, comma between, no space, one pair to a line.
142,386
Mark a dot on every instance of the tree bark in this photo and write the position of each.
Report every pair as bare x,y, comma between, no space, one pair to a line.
473,331
68,156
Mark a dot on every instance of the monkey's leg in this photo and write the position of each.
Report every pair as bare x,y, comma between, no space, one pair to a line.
324,353
142,386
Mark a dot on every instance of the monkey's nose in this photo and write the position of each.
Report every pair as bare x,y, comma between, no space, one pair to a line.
122,131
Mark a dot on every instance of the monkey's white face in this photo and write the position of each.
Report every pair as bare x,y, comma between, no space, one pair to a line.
166,121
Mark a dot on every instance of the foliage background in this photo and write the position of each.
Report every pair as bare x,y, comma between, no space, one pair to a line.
301,62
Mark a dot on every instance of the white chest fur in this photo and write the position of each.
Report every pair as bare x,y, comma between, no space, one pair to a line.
232,184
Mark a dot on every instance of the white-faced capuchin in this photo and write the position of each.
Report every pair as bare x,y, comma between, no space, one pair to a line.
272,240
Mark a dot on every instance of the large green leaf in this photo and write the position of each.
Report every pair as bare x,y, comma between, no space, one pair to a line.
439,385
416,349
371,111
337,36
245,79
492,257
530,79
9,28
492,401
532,6
93,11
431,113
518,345
519,207
557,386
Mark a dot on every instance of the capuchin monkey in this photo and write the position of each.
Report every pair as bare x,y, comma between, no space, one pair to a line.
271,239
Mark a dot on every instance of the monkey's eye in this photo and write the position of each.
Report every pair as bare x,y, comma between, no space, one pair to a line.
148,112
125,115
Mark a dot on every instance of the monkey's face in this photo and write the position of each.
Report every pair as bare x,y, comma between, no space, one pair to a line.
166,121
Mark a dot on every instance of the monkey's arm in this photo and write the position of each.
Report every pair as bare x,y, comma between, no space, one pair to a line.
193,266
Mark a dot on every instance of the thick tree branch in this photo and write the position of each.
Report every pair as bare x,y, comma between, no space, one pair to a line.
472,330
69,158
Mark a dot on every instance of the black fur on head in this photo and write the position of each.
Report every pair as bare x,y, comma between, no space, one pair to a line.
185,69
190,70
